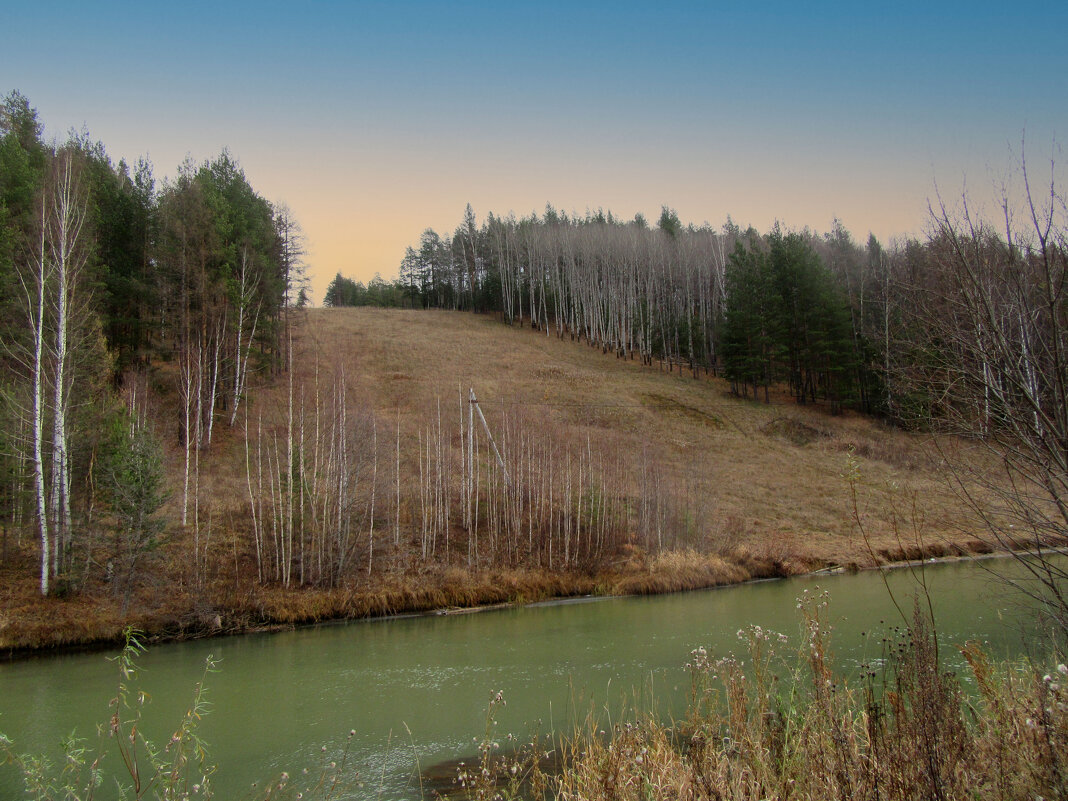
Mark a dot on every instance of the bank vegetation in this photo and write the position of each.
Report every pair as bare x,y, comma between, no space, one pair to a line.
780,719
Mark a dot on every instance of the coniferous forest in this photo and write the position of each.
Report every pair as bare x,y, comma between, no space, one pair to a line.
152,335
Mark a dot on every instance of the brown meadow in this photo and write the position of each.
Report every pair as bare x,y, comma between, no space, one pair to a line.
614,477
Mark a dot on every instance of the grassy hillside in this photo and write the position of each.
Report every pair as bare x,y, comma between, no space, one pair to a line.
620,478
769,478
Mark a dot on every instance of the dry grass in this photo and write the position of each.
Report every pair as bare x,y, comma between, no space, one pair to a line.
728,452
701,488
672,571
94,618
904,732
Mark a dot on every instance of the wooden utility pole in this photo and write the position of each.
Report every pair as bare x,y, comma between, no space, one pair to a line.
471,488
485,426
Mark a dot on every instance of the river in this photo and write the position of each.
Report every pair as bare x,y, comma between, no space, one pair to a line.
415,690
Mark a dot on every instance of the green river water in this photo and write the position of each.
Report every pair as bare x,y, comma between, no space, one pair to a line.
415,690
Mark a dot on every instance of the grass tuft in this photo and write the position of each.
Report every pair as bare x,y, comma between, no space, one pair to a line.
672,571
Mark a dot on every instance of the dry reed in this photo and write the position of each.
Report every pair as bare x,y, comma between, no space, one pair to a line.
905,731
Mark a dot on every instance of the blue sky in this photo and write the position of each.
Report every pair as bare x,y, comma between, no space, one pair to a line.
376,120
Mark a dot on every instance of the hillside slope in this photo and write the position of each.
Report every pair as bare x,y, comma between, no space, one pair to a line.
612,477
767,477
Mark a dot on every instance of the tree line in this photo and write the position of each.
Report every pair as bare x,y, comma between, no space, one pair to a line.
822,316
104,273
798,308
963,332
343,291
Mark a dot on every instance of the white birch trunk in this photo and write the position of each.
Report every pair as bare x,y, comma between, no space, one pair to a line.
396,521
214,390
289,469
68,216
252,503
37,325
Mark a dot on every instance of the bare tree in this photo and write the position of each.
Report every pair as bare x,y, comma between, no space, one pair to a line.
51,279
993,312
35,289
245,299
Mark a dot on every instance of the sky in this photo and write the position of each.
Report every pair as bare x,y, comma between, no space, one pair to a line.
374,121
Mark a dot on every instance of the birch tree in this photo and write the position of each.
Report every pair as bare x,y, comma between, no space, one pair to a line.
35,288
64,236
50,281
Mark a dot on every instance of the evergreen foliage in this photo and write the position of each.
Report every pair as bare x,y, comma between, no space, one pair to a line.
378,292
102,272
787,321
748,341
134,485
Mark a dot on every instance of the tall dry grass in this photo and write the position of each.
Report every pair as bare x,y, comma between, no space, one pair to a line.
659,461
906,730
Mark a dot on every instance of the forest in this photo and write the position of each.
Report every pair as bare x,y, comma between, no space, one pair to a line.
105,273
155,349
815,311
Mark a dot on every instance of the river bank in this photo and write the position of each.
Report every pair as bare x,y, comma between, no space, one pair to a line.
93,619
611,456
278,698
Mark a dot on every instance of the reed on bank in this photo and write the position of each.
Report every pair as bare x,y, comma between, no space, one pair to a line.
765,726
89,619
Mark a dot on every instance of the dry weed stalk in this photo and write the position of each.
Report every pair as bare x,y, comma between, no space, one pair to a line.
907,731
